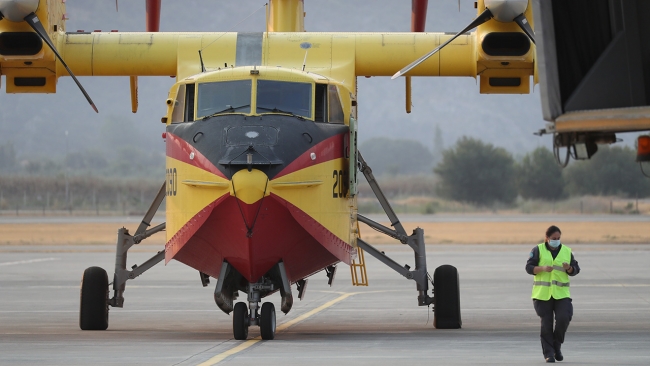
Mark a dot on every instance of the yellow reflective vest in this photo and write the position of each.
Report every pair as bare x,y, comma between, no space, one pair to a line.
556,282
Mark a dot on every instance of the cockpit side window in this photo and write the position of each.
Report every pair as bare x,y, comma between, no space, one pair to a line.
335,109
178,113
321,103
189,103
284,97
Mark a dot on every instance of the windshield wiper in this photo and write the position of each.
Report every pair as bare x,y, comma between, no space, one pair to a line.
275,110
229,109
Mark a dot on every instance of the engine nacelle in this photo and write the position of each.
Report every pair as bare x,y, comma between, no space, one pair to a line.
505,54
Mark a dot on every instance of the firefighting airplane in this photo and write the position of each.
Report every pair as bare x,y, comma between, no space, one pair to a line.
262,162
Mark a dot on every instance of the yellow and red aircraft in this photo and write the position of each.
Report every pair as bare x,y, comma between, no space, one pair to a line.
261,131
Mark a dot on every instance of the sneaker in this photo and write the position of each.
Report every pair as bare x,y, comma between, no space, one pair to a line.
558,355
550,360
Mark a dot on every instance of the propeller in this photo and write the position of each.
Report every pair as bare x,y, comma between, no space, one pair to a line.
153,15
36,25
504,11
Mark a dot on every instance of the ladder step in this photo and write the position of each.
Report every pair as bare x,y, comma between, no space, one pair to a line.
359,278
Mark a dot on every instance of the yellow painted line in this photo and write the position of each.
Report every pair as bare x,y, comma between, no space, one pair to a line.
220,357
313,312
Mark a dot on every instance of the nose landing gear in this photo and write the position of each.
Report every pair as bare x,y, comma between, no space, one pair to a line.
241,321
243,316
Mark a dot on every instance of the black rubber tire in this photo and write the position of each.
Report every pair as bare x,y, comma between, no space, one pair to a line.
446,290
240,321
267,321
93,309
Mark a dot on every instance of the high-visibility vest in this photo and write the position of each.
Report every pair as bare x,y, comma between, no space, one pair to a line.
556,282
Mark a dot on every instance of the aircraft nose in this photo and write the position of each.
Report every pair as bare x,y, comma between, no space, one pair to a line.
249,186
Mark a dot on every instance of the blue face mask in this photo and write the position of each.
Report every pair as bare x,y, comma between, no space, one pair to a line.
554,243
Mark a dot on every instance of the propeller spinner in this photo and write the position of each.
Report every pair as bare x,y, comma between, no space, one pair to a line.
24,10
17,10
504,11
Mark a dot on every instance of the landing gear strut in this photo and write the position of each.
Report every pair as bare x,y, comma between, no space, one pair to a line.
93,310
446,300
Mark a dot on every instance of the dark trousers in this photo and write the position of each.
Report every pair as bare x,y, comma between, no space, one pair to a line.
552,339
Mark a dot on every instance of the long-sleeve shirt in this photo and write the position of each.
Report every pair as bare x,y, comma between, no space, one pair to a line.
533,260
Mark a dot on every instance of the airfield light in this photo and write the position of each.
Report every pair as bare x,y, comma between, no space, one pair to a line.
643,148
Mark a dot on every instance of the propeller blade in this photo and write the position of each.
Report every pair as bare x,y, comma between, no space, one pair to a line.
484,17
522,22
36,25
153,15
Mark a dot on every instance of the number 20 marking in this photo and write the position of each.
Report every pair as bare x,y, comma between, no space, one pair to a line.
338,189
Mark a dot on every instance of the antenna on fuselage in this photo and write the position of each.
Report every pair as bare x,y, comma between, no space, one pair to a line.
201,58
305,46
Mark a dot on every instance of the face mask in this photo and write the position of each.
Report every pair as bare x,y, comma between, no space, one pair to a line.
554,243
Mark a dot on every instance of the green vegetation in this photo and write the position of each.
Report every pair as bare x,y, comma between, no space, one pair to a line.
389,156
538,176
51,194
612,171
471,176
476,172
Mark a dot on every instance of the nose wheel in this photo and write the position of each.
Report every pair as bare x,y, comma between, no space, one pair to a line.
267,321
241,321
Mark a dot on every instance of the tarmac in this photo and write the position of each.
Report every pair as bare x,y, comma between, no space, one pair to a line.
170,319
35,218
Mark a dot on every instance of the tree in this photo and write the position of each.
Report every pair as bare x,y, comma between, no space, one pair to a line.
476,172
438,144
611,171
396,156
539,176
7,157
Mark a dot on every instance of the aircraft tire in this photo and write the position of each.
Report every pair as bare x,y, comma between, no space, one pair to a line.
267,321
93,309
239,321
446,289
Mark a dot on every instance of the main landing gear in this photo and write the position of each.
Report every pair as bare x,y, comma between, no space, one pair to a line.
94,297
446,288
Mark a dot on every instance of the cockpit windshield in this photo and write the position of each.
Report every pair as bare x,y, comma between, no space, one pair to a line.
284,97
224,97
